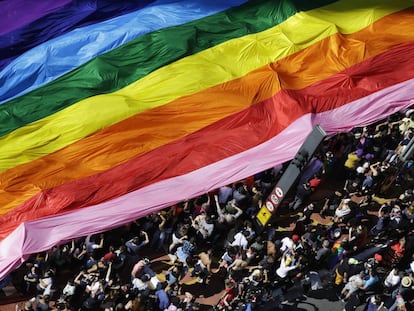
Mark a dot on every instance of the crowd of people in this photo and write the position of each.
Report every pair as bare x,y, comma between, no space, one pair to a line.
355,241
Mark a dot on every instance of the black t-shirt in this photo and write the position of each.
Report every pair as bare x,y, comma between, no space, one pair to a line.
391,141
307,213
333,201
353,302
350,270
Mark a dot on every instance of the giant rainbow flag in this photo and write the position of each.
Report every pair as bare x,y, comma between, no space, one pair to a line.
111,110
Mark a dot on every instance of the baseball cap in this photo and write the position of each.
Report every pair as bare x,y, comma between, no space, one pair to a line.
378,257
314,182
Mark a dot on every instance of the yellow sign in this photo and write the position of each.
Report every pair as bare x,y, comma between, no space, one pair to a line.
264,215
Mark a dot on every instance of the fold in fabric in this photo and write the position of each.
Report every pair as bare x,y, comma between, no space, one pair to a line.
73,15
240,132
42,234
214,66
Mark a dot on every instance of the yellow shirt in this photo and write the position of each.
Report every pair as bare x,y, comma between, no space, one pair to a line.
352,161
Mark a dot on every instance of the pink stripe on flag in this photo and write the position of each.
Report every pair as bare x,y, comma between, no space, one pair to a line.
42,234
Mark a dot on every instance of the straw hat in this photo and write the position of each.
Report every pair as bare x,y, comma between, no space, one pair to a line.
406,281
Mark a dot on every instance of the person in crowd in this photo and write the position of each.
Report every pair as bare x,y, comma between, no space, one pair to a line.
174,275
201,205
185,251
342,212
375,303
331,204
357,237
355,283
204,226
163,230
91,244
370,279
351,163
241,194
322,253
32,277
143,266
288,263
228,295
395,252
238,268
304,220
41,302
392,280
224,195
25,306
45,284
178,236
241,239
135,244
229,213
202,267
302,194
228,257
68,292
162,298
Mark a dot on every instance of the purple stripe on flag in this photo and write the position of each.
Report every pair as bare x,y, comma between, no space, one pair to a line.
17,13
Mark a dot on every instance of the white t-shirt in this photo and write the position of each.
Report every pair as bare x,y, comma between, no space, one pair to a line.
93,288
153,282
47,281
341,212
240,240
206,229
69,290
287,243
139,284
283,269
354,283
392,280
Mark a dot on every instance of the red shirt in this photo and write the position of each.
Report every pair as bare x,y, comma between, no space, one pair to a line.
398,249
109,257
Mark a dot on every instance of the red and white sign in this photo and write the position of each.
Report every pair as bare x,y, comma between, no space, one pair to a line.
269,206
279,192
275,200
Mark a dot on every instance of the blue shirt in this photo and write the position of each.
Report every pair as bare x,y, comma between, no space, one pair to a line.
371,281
163,300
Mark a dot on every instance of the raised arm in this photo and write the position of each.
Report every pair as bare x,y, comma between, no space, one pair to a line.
239,211
218,207
108,272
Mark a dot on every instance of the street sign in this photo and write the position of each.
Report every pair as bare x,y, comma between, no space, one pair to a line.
291,174
270,206
263,215
275,200
279,192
